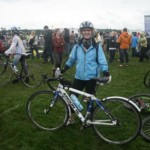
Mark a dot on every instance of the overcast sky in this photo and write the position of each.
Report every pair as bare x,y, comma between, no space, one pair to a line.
34,14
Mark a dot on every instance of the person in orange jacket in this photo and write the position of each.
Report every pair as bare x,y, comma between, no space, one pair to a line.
124,40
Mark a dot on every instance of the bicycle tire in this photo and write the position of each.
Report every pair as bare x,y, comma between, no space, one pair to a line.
5,75
128,126
2,58
57,116
144,98
145,131
147,79
34,77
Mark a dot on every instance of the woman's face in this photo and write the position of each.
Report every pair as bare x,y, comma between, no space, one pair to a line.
87,33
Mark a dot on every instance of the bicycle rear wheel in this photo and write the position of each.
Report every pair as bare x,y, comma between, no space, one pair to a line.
5,75
128,123
145,131
34,77
42,115
147,79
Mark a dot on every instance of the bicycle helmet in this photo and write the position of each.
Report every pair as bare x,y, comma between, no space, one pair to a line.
46,27
15,30
86,24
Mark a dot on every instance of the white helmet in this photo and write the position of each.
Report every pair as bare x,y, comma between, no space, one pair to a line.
15,30
86,24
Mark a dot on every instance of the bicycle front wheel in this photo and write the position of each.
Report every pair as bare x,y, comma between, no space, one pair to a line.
34,76
42,115
5,74
128,121
145,131
147,79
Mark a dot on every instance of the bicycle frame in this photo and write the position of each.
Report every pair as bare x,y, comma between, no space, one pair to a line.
85,120
60,91
7,64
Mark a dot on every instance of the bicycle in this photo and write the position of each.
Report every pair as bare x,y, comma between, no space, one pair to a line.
143,102
29,78
50,110
145,131
2,58
147,79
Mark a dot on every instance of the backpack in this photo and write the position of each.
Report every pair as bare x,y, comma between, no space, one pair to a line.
31,41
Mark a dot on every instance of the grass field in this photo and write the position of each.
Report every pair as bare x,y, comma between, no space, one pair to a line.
17,133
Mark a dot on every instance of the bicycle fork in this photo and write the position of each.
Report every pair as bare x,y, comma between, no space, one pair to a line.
52,102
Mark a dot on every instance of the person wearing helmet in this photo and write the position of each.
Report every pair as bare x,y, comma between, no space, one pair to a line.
89,63
17,50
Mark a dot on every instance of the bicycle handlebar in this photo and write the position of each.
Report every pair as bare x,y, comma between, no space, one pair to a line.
101,79
67,83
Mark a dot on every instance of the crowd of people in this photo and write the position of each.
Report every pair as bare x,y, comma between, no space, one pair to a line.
51,45
87,49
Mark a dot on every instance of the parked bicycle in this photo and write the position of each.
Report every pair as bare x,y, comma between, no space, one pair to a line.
50,110
145,131
31,78
2,58
147,79
143,102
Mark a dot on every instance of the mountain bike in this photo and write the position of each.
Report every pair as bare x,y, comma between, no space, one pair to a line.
50,110
147,79
143,102
30,75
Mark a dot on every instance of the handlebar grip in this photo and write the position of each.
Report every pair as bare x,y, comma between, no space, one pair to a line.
101,79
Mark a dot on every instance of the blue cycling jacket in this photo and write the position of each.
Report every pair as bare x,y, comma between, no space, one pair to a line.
87,66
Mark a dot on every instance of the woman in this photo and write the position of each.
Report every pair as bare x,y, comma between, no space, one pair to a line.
87,67
143,47
112,46
33,42
58,46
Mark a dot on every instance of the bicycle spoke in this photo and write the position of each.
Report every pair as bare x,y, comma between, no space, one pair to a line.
42,115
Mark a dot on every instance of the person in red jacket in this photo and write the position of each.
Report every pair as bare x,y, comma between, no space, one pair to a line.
58,46
2,48
124,40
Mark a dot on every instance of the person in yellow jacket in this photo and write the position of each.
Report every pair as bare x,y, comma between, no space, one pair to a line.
143,47
124,40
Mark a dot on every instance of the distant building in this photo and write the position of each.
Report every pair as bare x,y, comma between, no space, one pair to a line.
147,23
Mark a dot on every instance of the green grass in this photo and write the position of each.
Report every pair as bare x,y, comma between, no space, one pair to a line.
17,133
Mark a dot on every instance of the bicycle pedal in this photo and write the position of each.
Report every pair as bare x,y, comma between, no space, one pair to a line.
81,128
84,127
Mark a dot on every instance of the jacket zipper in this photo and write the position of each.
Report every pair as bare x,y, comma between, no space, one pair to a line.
84,63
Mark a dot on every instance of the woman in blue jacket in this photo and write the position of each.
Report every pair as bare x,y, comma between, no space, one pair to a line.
89,58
